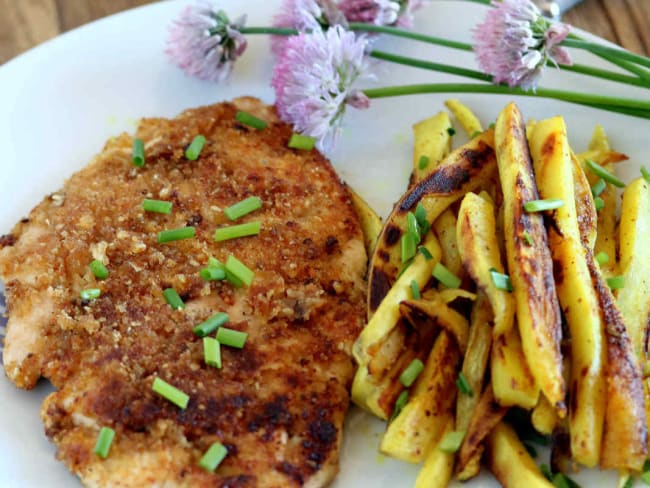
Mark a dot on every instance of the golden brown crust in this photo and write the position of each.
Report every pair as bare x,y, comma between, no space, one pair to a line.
278,404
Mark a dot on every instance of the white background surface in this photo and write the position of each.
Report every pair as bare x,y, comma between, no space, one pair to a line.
61,101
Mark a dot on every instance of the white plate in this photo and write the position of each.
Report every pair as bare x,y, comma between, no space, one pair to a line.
62,100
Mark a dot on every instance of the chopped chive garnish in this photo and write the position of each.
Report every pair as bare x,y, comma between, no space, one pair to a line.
176,234
598,188
599,203
421,217
409,246
299,141
598,170
645,477
546,471
158,206
250,120
412,227
98,269
211,324
242,208
423,162
138,153
446,277
616,282
411,372
646,176
492,125
173,298
451,131
602,258
231,337
463,385
629,482
104,441
236,231
213,274
476,133
531,450
239,270
400,403
541,205
171,393
500,280
452,441
425,252
213,457
215,263
212,352
194,149
560,480
528,238
90,294
415,290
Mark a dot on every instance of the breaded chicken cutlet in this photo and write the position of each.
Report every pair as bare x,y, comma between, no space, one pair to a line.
277,404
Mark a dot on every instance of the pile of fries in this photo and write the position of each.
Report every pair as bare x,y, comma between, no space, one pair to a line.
504,283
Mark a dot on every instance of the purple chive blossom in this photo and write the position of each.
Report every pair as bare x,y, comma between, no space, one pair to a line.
204,43
313,81
515,42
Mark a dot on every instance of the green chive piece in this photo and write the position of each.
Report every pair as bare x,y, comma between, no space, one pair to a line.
629,482
158,206
212,352
176,234
452,441
492,125
599,203
560,480
421,217
213,274
446,277
90,294
242,208
531,450
213,457
425,252
528,238
500,280
409,246
451,131
598,188
250,120
412,227
171,393
541,205
236,231
231,337
423,162
598,170
646,466
475,134
98,269
616,282
602,258
411,372
546,471
415,290
193,151
463,385
104,441
645,477
173,299
211,324
215,263
400,403
138,153
299,141
646,176
239,270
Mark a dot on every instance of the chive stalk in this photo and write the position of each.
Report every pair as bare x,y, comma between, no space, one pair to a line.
173,299
598,187
212,352
645,173
598,170
602,258
415,290
446,277
408,246
231,337
193,151
250,120
236,231
501,281
463,385
411,372
213,457
242,208
157,206
302,142
599,204
542,205
213,274
137,156
616,282
527,237
400,403
423,162
452,441
211,324
104,441
171,393
239,270
98,269
425,252
176,234
90,294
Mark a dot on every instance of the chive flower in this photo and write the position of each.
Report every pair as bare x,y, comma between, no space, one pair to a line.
394,13
205,43
515,42
313,81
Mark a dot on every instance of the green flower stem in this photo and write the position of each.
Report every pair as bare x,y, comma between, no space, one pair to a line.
407,34
601,73
610,51
623,105
278,31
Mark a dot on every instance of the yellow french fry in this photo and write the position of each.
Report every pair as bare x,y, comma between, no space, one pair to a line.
432,144
467,119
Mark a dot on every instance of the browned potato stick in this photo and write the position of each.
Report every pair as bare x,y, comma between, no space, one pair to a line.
543,417
530,267
479,250
554,172
512,380
370,221
510,462
585,208
421,422
438,465
433,141
625,434
463,170
445,228
487,415
634,297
